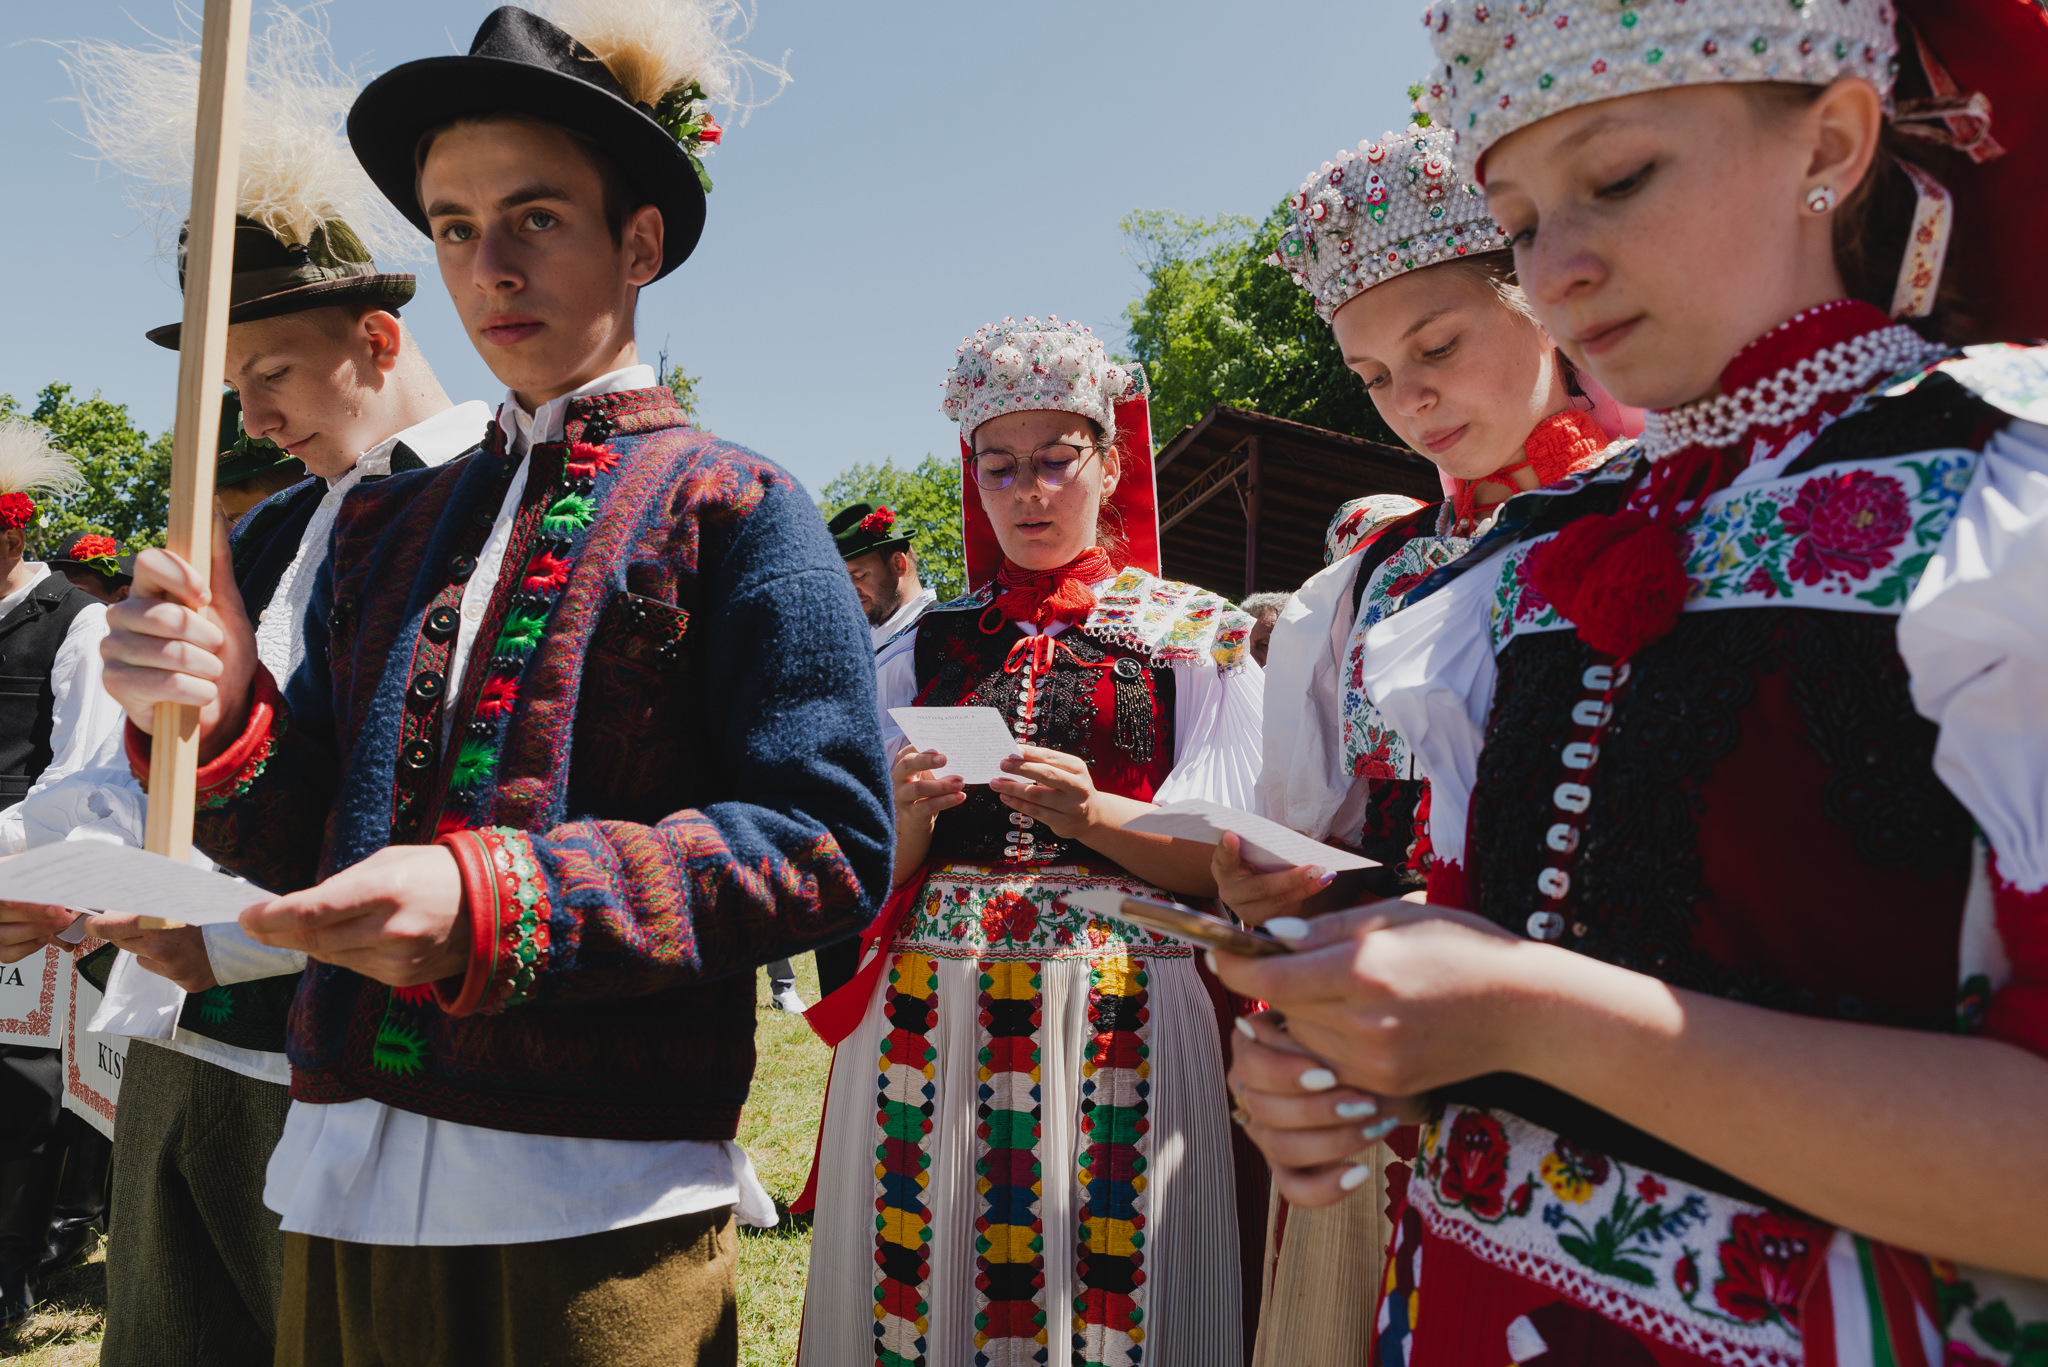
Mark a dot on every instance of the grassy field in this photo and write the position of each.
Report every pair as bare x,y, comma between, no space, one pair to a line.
778,1129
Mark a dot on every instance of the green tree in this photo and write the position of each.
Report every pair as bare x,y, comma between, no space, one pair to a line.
1219,324
683,385
127,475
926,501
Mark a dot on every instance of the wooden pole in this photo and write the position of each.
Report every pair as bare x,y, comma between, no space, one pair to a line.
202,360
1254,512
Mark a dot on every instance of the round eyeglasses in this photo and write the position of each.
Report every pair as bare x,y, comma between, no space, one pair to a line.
1055,464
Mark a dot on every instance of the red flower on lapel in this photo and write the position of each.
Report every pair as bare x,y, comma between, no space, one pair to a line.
498,695
588,462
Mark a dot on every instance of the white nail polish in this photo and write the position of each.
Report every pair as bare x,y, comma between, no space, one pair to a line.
1287,928
1317,1080
1244,1027
1354,1178
1356,1110
1210,956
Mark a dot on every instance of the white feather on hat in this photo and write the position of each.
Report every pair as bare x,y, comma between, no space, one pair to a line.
30,462
655,48
140,107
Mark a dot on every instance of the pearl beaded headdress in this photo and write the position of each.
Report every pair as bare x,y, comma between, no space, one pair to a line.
1013,367
1392,206
1502,66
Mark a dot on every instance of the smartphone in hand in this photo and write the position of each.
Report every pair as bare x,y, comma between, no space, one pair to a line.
1182,923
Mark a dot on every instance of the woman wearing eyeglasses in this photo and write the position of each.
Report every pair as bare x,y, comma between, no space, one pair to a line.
1027,1151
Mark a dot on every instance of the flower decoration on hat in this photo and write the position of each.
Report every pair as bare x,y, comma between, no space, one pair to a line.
1013,367
878,521
1392,206
1501,66
102,553
29,462
672,57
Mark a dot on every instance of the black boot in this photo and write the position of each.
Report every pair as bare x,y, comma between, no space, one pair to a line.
80,1215
28,1187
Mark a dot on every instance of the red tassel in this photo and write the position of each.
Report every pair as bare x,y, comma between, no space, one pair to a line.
545,573
499,693
588,462
1619,579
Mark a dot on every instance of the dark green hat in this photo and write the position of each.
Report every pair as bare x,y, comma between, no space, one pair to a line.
863,528
241,455
273,277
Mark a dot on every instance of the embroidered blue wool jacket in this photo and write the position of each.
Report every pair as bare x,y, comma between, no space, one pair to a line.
662,768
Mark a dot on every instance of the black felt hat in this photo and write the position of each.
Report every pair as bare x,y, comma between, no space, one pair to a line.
273,277
863,528
95,552
519,63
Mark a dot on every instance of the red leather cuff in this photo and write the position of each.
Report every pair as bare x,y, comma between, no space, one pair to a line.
235,768
480,900
506,896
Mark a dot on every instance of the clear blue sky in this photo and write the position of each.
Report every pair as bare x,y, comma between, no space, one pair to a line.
935,165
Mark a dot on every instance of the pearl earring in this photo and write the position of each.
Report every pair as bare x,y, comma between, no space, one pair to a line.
1820,199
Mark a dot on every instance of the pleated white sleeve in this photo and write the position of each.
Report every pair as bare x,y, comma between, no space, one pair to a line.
1430,669
1304,782
1218,727
1975,637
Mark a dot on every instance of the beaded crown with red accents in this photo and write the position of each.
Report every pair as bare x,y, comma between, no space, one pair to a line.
1392,206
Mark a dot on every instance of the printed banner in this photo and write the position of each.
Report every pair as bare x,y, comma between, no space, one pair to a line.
92,1061
35,994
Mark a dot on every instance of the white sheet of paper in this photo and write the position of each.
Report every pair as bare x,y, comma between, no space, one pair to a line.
94,875
974,740
1267,845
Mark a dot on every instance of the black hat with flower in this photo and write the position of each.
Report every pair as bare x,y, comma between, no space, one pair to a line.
862,528
634,76
92,551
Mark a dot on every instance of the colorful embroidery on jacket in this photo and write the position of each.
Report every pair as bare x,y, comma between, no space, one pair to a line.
1686,1266
904,1101
1372,748
1116,1086
1852,538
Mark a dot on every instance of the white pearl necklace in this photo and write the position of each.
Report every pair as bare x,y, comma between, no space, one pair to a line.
1788,394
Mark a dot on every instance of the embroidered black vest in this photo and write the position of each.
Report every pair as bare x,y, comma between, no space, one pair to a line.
30,637
1102,703
1765,824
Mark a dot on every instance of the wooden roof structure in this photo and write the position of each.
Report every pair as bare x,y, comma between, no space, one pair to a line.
1245,497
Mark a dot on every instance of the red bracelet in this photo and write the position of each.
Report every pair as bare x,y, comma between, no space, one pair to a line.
506,896
238,766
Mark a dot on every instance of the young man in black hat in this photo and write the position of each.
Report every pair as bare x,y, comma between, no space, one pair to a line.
584,733
94,564
329,391
883,567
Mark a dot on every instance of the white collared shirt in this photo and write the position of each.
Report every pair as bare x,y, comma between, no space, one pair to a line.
364,1172
85,721
912,609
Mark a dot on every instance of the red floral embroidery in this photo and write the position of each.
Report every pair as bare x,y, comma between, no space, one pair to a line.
1848,524
1530,602
1650,1189
1760,581
1765,1263
1404,582
1475,1171
1687,1276
1009,916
